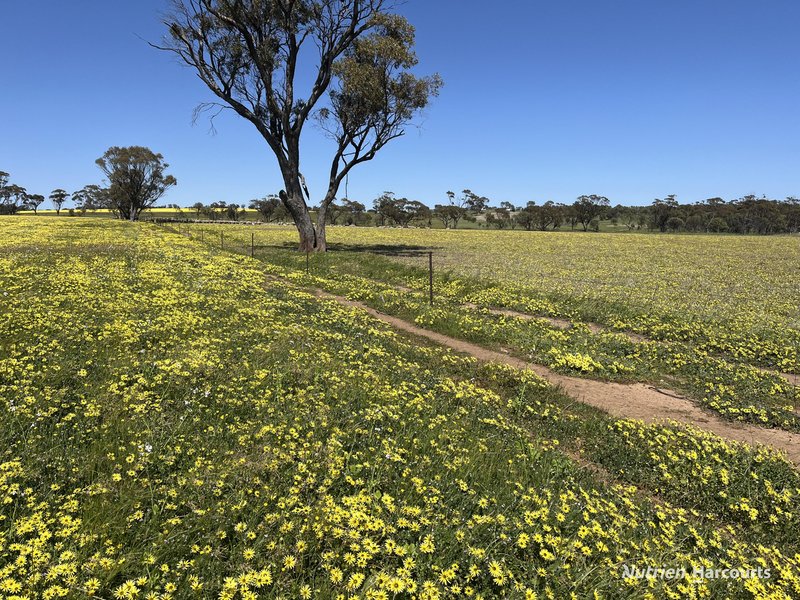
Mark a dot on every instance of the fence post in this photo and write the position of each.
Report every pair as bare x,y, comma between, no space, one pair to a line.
252,244
307,270
430,276
222,240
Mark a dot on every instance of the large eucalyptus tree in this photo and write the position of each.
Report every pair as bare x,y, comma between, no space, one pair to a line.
253,55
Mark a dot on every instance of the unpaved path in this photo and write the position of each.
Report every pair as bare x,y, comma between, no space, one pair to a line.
553,321
595,328
566,324
625,401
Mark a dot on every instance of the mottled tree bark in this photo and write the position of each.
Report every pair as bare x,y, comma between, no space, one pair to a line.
322,242
296,205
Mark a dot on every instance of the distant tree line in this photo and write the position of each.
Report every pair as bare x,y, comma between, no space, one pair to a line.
136,179
746,215
216,211
749,215
470,207
585,213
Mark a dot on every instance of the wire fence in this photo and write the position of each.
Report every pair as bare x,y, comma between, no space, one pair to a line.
247,245
580,284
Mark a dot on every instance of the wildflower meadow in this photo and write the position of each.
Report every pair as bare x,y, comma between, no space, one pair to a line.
183,421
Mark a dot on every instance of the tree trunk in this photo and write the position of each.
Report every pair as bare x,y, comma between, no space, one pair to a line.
322,242
298,209
308,235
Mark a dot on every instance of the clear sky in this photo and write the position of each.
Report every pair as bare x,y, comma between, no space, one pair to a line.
631,99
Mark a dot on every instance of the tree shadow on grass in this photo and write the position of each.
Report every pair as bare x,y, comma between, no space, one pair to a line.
386,249
382,249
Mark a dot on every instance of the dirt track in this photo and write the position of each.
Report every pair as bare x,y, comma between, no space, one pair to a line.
634,401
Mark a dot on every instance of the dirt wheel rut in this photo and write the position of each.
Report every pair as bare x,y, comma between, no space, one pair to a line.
625,401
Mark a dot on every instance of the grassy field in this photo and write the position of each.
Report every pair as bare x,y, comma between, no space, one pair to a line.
181,421
714,317
748,282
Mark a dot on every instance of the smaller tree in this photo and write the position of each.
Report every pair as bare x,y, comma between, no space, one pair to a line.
12,197
457,208
629,216
675,223
136,179
793,214
266,207
695,223
90,197
34,201
334,212
525,218
217,210
234,211
589,208
474,203
419,211
354,212
384,207
400,211
718,225
349,211
545,216
661,211
5,196
449,214
570,216
502,217
58,198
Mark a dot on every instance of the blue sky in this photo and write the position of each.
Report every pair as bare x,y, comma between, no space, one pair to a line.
632,99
